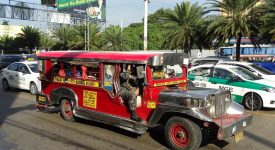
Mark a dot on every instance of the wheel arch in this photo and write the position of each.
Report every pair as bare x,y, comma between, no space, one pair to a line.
167,115
163,113
63,93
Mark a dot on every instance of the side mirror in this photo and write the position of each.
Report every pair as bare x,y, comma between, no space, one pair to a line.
140,72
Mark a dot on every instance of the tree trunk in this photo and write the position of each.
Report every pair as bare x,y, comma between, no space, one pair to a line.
238,48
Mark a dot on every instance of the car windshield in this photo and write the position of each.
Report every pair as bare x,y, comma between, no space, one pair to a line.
33,67
261,69
246,74
167,71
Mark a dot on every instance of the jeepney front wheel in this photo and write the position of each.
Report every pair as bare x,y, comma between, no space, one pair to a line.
67,110
182,134
257,102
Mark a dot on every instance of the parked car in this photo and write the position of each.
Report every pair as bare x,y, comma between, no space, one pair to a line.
256,69
7,59
267,65
243,84
22,75
207,60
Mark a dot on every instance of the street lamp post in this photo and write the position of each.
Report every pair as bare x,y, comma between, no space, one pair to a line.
145,24
121,28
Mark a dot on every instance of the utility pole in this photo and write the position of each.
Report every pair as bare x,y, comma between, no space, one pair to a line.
88,34
85,34
145,24
121,28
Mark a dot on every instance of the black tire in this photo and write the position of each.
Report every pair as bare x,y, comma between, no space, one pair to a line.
5,85
182,134
67,110
257,101
33,88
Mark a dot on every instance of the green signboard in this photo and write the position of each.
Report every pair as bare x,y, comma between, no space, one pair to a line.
84,8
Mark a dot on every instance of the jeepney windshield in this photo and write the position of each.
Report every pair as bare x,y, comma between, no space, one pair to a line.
166,71
246,74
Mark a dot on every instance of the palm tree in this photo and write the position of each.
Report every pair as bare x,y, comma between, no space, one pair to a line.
184,22
237,19
64,35
5,42
46,42
113,39
267,31
30,36
78,42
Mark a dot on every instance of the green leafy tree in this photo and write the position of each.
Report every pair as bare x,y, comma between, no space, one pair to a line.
183,23
78,42
237,19
267,30
113,39
134,36
5,42
156,32
30,36
64,35
46,42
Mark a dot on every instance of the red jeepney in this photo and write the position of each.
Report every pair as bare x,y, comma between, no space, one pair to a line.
86,85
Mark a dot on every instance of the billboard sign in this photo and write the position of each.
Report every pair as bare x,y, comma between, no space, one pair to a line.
95,9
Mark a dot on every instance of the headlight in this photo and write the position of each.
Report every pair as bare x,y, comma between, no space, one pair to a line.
210,105
270,90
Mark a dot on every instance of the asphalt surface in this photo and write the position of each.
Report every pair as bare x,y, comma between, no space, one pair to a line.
24,128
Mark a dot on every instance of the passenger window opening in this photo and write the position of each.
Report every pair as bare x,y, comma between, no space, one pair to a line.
78,70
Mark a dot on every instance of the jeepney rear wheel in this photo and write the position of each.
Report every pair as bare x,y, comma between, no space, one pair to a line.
67,110
182,134
5,85
257,101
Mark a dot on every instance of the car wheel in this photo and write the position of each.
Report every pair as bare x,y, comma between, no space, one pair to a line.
33,88
257,101
5,84
182,134
67,110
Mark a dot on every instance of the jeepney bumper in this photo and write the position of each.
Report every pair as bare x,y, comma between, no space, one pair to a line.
44,104
232,125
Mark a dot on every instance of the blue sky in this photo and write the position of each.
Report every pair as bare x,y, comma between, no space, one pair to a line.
130,11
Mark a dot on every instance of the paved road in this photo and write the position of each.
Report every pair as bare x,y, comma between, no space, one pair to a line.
23,128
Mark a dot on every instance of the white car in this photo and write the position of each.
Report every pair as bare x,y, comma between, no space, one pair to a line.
256,69
22,75
243,84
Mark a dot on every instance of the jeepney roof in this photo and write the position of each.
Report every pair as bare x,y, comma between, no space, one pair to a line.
106,56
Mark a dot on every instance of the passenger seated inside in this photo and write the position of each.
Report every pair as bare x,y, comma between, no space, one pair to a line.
61,71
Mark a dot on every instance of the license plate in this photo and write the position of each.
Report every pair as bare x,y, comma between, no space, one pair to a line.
41,98
238,136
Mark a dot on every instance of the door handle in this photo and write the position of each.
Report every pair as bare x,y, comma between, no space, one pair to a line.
214,82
